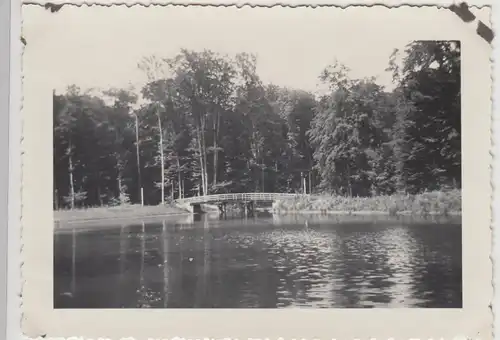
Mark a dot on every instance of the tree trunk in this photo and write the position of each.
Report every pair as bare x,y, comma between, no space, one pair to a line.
263,179
202,172
204,158
99,194
349,185
216,152
70,170
162,159
119,180
179,177
139,179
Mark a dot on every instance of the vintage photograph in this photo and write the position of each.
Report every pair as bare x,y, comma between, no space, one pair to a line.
197,171
208,179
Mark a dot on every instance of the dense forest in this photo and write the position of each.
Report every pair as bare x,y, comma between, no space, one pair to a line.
205,123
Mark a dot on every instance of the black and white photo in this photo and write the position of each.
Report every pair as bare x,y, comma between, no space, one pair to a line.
205,158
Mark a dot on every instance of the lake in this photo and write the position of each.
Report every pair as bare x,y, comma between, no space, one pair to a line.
262,262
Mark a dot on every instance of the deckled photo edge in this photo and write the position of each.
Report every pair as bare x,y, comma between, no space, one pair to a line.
33,89
474,4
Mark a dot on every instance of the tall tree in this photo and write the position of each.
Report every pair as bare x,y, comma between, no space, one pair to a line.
429,130
121,127
154,69
204,82
344,132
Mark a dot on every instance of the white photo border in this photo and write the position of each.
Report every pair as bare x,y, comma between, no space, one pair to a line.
374,329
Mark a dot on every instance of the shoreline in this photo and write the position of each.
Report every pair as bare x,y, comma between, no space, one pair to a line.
362,213
429,204
103,219
106,214
110,218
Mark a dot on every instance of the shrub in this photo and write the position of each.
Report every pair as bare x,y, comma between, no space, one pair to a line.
435,202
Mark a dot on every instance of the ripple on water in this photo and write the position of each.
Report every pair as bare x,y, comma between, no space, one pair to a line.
331,266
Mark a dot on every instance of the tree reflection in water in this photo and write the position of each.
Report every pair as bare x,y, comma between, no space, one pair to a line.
260,262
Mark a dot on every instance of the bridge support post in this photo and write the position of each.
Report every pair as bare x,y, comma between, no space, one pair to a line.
222,208
197,209
248,207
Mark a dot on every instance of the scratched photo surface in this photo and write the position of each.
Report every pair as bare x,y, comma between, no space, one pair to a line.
259,158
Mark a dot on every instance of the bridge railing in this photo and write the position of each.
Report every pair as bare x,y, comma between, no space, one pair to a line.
253,196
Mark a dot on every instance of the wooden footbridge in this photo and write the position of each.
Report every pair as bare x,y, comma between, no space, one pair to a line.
247,200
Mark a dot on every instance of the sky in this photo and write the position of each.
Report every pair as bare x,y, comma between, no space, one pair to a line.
100,47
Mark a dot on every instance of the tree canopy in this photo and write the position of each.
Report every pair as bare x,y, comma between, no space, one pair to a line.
206,123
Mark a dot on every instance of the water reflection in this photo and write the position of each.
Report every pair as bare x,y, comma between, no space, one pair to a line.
263,262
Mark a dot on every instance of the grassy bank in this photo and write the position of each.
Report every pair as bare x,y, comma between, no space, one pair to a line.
116,213
441,203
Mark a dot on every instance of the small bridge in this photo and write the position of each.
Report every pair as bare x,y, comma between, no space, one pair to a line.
246,199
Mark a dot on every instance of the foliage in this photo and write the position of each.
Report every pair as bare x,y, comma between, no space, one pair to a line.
435,202
206,123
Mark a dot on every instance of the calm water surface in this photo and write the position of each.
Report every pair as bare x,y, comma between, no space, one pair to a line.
265,262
